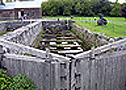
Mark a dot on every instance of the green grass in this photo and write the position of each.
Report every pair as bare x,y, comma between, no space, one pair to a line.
55,18
116,29
116,19
65,18
86,18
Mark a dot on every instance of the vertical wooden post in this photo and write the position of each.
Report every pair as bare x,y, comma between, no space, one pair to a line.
92,55
1,51
1,54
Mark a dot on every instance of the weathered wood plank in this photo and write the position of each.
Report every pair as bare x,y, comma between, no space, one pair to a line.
72,76
93,75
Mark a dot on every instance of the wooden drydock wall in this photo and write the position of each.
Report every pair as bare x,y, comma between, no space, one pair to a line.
102,68
12,25
26,34
88,38
61,25
36,69
107,72
47,74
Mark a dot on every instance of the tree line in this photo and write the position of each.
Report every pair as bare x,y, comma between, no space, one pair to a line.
81,8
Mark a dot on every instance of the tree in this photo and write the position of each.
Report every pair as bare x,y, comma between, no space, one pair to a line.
81,8
67,7
101,6
116,1
123,9
2,3
116,10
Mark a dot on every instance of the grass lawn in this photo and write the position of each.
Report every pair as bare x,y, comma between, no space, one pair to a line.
115,29
86,18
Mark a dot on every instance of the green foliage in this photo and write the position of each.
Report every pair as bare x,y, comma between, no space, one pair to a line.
19,82
81,8
82,34
123,11
95,34
116,10
4,80
1,2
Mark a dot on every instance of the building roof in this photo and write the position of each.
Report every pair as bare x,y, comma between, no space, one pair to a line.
22,4
7,6
27,4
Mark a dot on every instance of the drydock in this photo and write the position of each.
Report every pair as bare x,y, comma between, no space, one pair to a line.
27,51
62,42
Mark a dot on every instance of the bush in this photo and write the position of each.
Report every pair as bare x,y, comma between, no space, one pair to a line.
4,80
19,82
123,9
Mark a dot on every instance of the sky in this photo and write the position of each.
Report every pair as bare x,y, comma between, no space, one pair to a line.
120,1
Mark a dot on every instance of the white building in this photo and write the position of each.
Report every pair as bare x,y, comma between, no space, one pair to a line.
11,10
